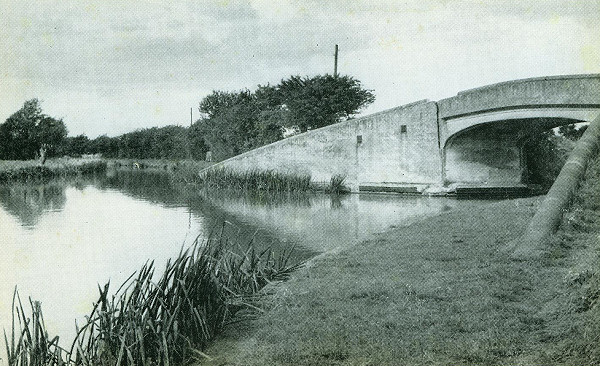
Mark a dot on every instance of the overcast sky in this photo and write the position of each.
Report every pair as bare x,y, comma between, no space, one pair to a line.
109,67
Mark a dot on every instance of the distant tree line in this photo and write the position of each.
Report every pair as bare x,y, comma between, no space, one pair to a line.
169,142
231,123
30,134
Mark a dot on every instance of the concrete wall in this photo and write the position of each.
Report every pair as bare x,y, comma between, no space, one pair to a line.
386,154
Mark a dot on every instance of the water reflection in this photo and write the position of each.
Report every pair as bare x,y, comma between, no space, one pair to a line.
151,186
27,202
323,222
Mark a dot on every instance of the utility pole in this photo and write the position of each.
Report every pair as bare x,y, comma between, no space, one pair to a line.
335,73
189,145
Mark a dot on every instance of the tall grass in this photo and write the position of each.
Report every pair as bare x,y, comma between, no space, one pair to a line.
166,321
257,180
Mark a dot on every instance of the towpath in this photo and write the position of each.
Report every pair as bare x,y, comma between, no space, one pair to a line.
441,291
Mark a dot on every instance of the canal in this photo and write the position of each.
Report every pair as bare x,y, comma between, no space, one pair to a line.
63,237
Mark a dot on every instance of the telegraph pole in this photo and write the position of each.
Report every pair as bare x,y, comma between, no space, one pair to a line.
335,74
189,145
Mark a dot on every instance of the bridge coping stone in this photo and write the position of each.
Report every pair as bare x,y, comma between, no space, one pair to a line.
517,81
574,90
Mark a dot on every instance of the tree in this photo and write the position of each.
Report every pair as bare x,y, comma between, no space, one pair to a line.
231,131
323,100
28,133
198,147
77,146
235,122
219,102
50,136
108,147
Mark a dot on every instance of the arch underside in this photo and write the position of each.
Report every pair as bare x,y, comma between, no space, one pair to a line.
525,115
490,152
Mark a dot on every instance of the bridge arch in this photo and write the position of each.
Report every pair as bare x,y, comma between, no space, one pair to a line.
546,117
493,151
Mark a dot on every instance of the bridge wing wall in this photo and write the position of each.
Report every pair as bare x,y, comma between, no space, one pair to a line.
572,90
375,148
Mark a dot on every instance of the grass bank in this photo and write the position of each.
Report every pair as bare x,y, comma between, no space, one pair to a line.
167,320
440,292
16,170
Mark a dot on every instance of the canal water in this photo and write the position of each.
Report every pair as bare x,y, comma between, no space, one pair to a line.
61,238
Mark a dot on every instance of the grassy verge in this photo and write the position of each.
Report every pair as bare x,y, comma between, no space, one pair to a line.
150,321
440,292
32,170
576,247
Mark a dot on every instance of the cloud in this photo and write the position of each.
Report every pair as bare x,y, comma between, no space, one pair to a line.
119,65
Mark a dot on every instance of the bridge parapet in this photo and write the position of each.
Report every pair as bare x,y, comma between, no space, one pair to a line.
573,91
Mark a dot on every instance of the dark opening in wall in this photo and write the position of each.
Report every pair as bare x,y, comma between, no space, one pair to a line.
359,139
403,129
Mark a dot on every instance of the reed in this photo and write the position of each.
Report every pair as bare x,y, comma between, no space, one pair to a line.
32,346
256,180
168,321
336,185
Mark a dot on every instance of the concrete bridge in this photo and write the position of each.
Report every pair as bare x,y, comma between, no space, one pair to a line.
474,138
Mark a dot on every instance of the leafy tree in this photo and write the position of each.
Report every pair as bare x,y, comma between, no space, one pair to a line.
50,135
235,122
169,142
77,146
108,147
231,131
219,102
323,100
29,133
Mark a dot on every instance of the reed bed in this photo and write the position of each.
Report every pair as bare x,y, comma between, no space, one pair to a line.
257,180
32,170
168,321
